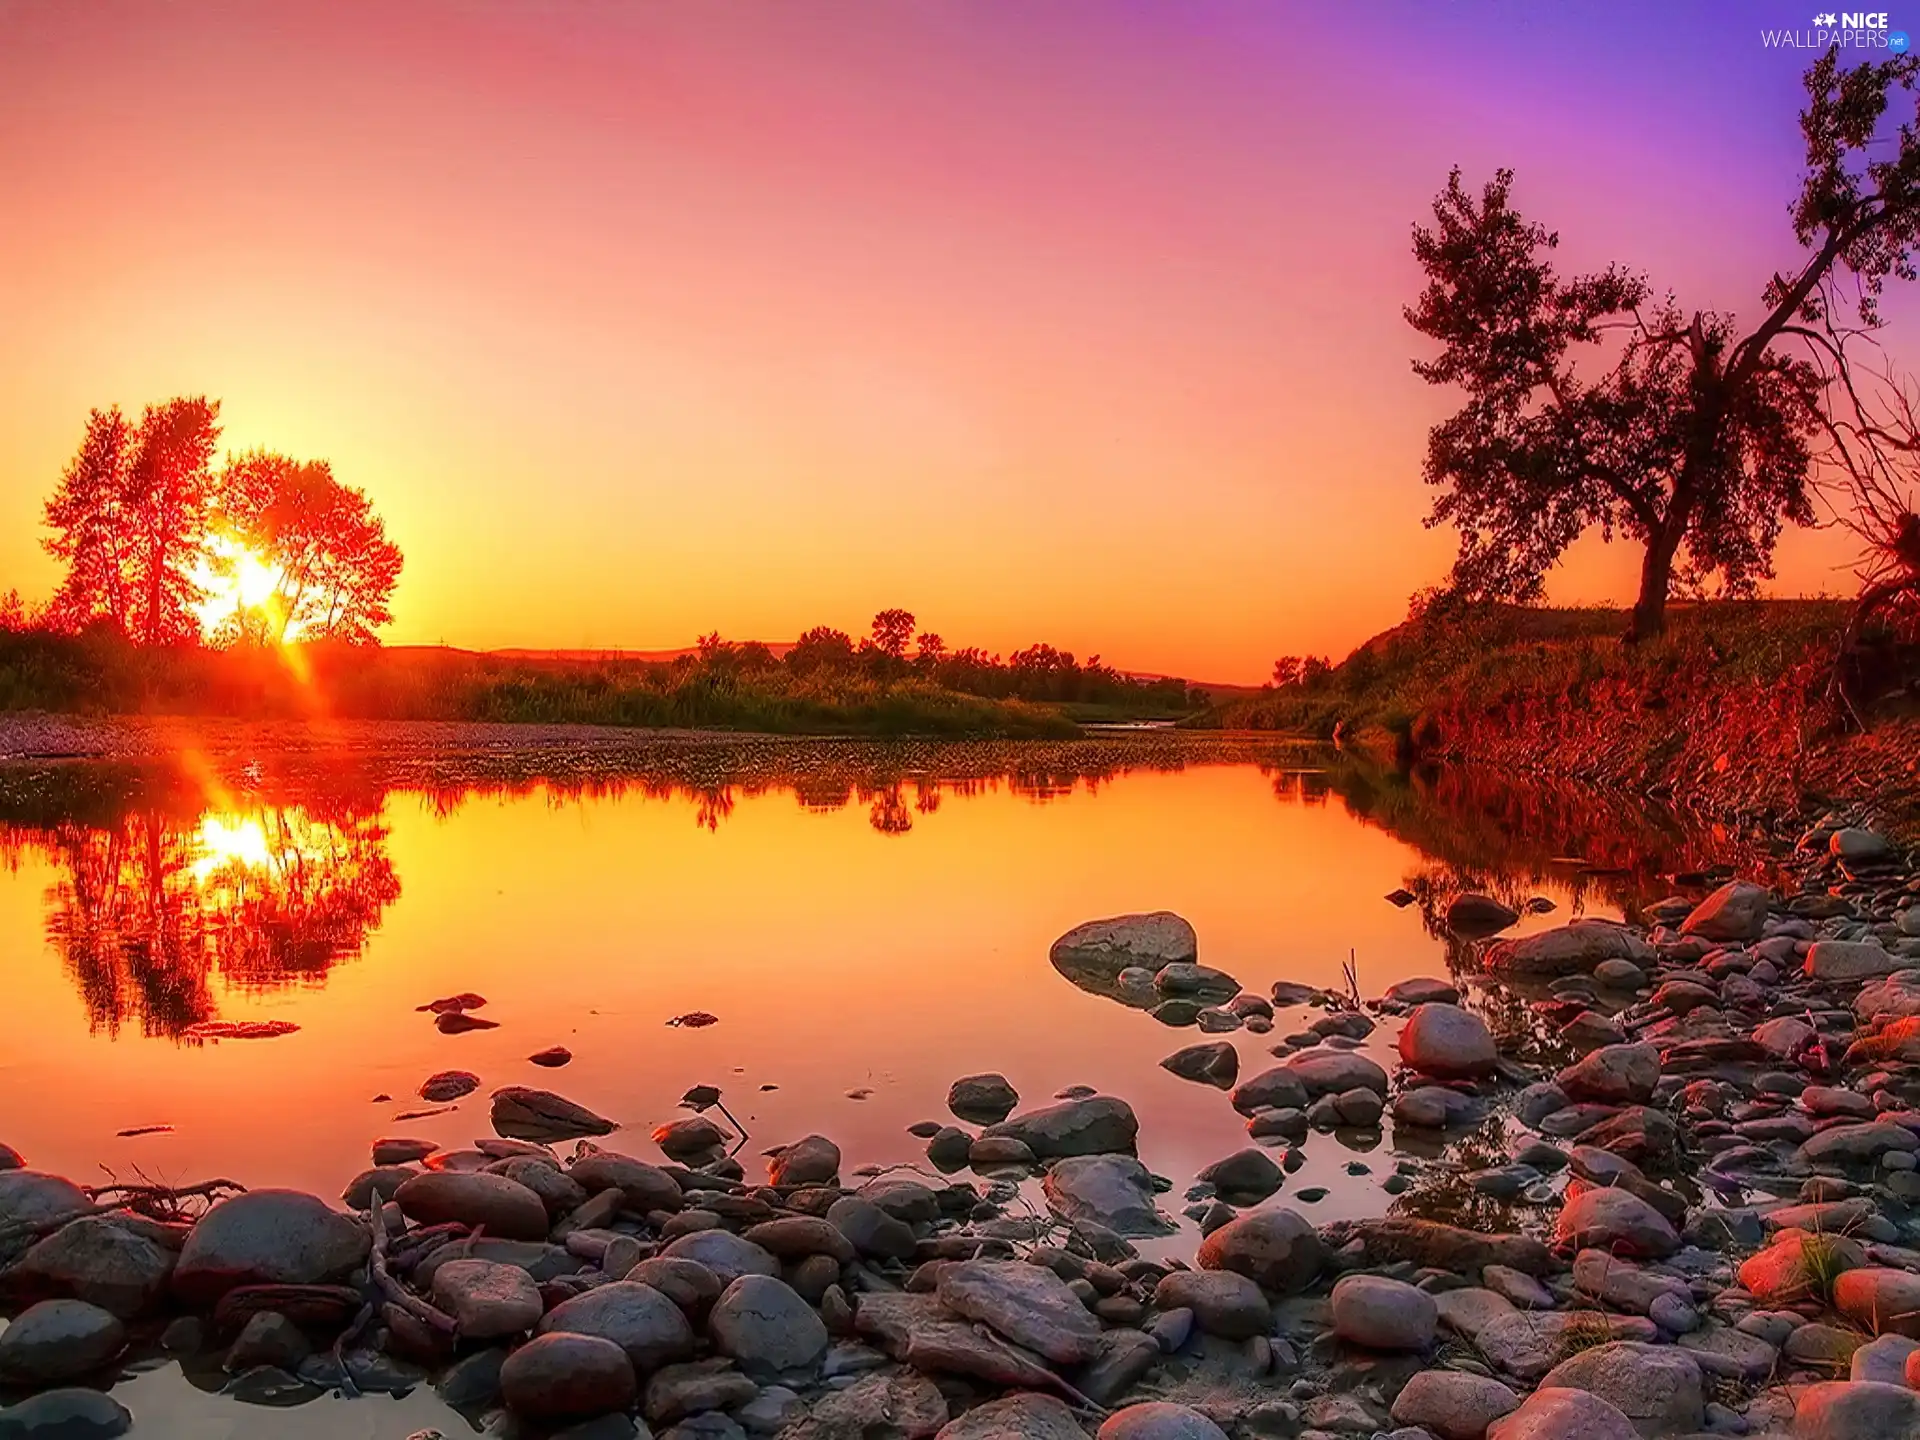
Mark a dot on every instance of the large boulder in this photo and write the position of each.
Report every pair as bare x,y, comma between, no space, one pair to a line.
767,1329
567,1376
1275,1248
1563,1414
97,1260
1845,960
1383,1314
56,1341
1152,941
72,1414
269,1237
32,1198
1016,1417
1112,1190
1880,1300
1616,1221
647,1326
505,1208
984,1099
812,1160
730,1256
1657,1387
1453,1404
1856,1410
488,1300
1096,1125
1159,1420
1449,1042
1736,911
642,1187
1567,949
1223,1303
1614,1074
1028,1304
523,1113
1323,1071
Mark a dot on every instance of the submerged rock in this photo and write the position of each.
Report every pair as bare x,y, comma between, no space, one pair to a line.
1114,1190
1099,1124
522,1113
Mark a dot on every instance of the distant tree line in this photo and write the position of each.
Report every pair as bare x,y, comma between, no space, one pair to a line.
150,532
895,650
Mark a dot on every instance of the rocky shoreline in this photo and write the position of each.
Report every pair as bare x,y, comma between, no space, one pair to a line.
1725,1172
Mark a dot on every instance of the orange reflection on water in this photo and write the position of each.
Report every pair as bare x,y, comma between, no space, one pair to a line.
862,930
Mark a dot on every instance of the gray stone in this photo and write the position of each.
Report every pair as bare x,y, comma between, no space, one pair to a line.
1029,1305
488,1300
1274,1247
97,1260
505,1208
268,1237
727,1255
767,1328
1154,940
523,1113
1449,1042
1452,1404
1617,1221
1096,1125
66,1415
58,1340
1856,1410
812,1160
1383,1314
647,1326
1214,1063
1657,1387
1224,1303
983,1099
1113,1190
567,1376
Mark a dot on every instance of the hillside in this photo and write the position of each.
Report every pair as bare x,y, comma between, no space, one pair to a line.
1732,710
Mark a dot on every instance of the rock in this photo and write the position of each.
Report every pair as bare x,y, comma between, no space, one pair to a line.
489,1301
1736,911
1434,1107
1476,916
1626,1286
506,1208
1798,1266
1620,974
767,1328
1328,1072
1275,1248
1216,1063
1113,1190
690,1285
982,1099
1785,1037
379,1182
1567,949
643,1187
1449,1042
1383,1314
795,1237
1017,1417
396,1150
522,1113
919,1330
647,1326
871,1231
472,1382
1843,960
1452,1404
1422,990
1224,1303
698,1387
1562,1414
1428,1243
1613,1074
727,1255
66,1415
895,1403
558,1191
1880,1300
1616,1221
814,1160
1275,1089
1858,1144
268,1338
29,1197
1657,1387
1158,1420
567,1376
1098,1124
1153,941
1359,1106
59,1340
1858,846
552,1058
1884,1360
1856,1410
97,1260
1245,1177
1028,1304
268,1237
448,1085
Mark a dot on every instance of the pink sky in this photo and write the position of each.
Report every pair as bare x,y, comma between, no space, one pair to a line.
1076,321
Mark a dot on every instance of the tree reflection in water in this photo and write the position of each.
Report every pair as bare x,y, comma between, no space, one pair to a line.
153,905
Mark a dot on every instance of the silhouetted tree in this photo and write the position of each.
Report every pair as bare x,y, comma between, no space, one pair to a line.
129,517
930,651
336,569
1286,671
821,648
1679,431
892,631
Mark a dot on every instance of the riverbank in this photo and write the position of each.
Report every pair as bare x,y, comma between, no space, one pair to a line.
720,686
1682,1201
1731,713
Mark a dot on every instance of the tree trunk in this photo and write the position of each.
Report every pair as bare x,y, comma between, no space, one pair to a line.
1656,576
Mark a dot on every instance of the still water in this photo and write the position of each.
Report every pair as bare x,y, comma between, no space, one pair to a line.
866,921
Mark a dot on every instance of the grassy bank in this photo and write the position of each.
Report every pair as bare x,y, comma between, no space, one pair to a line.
1732,708
104,675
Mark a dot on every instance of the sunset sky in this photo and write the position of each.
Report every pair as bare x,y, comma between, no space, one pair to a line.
1061,320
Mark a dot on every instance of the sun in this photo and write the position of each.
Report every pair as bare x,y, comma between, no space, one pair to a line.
240,590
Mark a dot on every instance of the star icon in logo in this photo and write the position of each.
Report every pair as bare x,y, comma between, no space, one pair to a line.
1827,18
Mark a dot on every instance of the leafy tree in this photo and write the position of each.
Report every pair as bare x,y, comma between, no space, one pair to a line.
336,569
1286,671
929,652
1589,403
892,630
129,518
821,648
